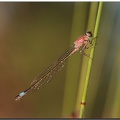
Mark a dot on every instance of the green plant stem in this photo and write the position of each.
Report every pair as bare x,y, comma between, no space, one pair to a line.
90,62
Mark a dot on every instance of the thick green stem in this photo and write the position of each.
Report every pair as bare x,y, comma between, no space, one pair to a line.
90,62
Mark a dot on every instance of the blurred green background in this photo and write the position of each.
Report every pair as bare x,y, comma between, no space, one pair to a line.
32,35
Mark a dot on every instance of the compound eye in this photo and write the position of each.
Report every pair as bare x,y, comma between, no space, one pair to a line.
89,34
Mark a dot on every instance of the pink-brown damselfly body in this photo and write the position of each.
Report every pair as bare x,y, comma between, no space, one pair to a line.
43,78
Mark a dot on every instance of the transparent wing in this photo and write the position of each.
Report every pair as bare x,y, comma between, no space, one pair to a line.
46,79
50,71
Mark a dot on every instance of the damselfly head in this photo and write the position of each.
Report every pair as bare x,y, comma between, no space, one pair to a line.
89,34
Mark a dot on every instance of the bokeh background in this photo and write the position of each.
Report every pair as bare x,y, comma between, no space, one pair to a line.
32,35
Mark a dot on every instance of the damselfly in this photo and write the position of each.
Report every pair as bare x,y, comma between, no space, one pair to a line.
42,79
